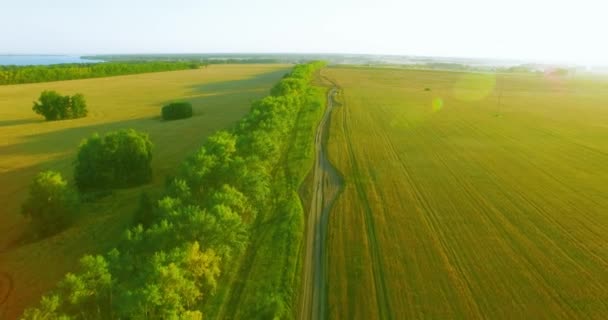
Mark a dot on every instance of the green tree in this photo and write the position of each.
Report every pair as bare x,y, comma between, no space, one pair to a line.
78,106
48,310
235,200
177,110
51,105
51,204
179,189
198,170
204,266
120,159
167,292
91,288
230,235
54,106
288,86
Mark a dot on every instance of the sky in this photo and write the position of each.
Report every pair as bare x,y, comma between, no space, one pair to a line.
532,30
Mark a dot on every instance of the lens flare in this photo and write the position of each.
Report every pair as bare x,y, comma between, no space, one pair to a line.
474,86
437,104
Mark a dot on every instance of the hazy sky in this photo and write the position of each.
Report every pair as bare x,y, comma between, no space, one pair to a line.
547,30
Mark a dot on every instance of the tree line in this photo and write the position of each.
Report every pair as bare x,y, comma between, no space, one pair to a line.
71,71
203,59
173,258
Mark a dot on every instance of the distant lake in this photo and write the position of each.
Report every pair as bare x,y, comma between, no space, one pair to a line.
23,60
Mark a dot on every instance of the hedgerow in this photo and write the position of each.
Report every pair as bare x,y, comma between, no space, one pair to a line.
238,182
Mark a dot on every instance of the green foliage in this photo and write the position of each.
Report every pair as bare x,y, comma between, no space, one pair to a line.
54,106
177,110
120,159
78,106
90,289
31,74
87,294
48,310
170,262
276,137
289,86
51,204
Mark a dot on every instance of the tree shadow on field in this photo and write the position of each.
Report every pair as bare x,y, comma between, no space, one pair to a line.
218,98
216,106
64,139
56,150
262,81
16,122
221,102
14,186
52,151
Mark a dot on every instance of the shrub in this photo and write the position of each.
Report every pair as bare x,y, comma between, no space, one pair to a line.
54,106
51,204
177,110
120,159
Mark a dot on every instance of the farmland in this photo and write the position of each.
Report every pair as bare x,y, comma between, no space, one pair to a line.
220,95
468,195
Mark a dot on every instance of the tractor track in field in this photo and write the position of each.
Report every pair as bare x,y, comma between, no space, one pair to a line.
6,287
244,270
327,184
381,291
242,273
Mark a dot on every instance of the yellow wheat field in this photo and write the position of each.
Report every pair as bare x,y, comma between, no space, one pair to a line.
469,196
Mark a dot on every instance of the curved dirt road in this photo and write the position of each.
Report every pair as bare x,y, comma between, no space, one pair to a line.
326,184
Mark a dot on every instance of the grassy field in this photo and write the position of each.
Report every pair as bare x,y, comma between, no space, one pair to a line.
220,95
458,206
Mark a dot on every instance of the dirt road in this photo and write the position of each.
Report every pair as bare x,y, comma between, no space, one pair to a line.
326,184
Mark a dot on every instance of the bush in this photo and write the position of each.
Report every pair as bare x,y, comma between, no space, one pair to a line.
54,106
51,204
120,159
177,110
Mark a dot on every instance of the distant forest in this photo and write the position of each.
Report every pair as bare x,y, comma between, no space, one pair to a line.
31,74
202,58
